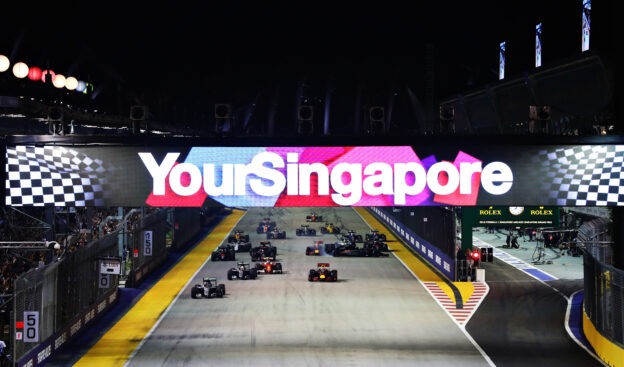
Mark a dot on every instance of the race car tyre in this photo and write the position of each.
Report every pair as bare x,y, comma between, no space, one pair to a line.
334,275
229,275
253,274
213,257
222,288
195,294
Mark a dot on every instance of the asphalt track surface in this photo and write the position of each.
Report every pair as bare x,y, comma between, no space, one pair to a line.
378,313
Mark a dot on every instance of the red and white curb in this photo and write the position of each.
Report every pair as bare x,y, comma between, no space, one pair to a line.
460,315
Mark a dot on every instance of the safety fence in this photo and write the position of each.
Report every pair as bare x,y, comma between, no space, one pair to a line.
53,303
603,298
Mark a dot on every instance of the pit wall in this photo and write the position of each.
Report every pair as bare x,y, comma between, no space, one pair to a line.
434,256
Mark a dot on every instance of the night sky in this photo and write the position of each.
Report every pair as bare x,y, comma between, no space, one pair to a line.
202,51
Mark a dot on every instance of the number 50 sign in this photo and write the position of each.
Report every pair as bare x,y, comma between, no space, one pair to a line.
31,326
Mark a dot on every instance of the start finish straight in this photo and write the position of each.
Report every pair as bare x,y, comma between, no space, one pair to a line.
348,180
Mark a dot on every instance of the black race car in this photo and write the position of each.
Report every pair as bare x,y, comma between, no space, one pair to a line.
330,248
276,233
376,245
269,266
323,273
238,235
242,271
352,237
241,246
314,217
330,228
346,248
305,230
210,288
225,252
374,235
262,251
358,252
316,249
266,226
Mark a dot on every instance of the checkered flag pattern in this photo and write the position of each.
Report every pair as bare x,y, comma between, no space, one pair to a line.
581,175
53,176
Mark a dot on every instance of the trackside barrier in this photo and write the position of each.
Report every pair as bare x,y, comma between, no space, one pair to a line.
603,305
436,257
147,246
42,352
53,303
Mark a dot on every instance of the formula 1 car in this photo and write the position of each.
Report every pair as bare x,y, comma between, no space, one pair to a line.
352,237
224,252
315,250
305,230
374,235
242,271
330,228
323,273
265,226
330,248
238,236
314,217
276,233
210,288
262,251
269,266
376,245
341,251
241,246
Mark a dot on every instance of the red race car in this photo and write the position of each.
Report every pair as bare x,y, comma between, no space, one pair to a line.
269,266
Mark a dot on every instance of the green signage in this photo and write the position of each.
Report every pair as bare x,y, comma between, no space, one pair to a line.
506,216
512,216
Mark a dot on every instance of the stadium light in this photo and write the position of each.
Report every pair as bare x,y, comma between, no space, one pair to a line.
4,63
59,81
20,70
